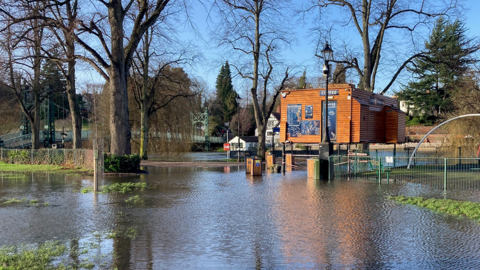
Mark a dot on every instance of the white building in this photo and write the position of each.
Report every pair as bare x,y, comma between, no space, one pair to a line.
273,122
247,143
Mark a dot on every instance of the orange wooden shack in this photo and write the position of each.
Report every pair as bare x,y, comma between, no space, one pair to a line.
354,116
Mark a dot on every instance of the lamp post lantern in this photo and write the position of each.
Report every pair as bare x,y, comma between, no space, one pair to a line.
325,149
237,99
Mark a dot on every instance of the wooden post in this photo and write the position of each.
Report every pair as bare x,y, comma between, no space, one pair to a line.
257,167
95,168
248,167
270,161
289,161
283,159
311,168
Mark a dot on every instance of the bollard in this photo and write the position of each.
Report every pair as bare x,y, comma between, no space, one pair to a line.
289,159
248,167
256,166
313,168
270,161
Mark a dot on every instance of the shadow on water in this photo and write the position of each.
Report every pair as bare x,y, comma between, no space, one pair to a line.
192,218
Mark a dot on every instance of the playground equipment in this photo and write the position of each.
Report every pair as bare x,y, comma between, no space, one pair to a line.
428,133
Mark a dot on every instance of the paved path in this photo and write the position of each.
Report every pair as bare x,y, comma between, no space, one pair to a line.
188,164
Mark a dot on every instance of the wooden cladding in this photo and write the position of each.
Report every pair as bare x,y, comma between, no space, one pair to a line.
361,116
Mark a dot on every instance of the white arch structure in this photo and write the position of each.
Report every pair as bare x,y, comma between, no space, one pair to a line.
426,135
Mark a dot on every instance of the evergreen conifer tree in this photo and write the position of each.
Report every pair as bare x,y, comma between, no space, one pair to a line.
429,95
226,96
302,81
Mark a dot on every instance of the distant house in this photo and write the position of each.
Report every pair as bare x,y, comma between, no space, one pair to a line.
247,143
273,121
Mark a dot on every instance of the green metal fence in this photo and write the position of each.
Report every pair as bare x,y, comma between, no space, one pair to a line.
444,173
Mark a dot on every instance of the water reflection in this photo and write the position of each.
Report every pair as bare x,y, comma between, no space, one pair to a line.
218,218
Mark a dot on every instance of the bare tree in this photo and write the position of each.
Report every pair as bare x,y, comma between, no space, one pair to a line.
245,119
64,18
118,21
151,92
376,21
23,47
251,29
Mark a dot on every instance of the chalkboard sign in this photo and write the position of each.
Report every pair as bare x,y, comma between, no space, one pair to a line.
294,119
308,111
311,127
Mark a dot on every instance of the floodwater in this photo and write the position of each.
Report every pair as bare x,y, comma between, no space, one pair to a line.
219,218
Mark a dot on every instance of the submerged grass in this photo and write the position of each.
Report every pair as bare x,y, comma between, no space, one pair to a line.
13,200
134,200
456,208
31,257
23,202
75,254
123,232
7,167
118,188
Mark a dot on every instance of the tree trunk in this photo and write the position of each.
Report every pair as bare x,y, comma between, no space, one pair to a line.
119,123
36,124
261,142
72,95
118,72
367,69
144,133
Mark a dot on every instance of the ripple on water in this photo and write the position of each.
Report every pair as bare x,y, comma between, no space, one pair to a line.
216,218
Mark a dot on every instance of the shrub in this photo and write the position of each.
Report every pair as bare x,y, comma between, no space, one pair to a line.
126,163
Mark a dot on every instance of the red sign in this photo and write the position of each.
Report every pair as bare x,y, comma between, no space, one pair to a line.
226,146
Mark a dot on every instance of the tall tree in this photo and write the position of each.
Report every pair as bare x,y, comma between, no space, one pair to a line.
377,21
225,93
251,29
127,22
61,19
439,71
24,58
302,82
155,88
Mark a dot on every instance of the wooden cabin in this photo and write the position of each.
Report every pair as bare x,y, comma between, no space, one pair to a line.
354,116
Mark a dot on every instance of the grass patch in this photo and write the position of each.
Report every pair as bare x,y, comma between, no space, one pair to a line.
29,257
124,187
456,208
7,167
13,200
122,232
134,200
118,188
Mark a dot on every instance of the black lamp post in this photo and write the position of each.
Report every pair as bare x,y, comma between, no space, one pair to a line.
325,147
237,99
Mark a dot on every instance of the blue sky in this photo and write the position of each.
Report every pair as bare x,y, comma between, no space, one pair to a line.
300,55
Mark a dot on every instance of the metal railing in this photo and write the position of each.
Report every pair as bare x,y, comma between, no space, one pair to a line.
16,140
25,141
438,172
10,136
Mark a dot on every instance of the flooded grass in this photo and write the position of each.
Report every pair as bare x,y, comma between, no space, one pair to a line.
7,167
74,254
118,188
23,202
13,200
123,232
30,257
134,200
456,208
